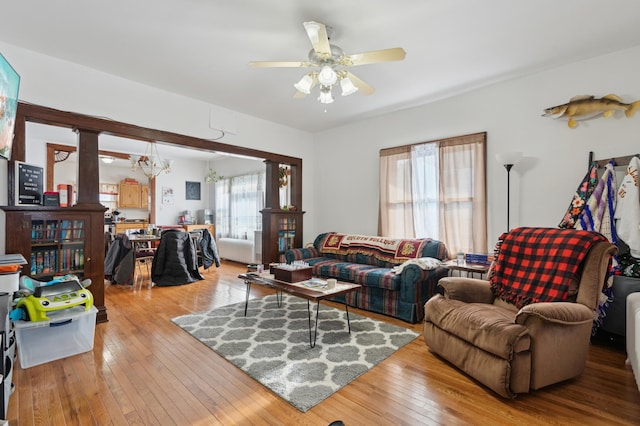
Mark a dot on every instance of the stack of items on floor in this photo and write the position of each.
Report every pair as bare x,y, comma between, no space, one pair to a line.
53,319
10,267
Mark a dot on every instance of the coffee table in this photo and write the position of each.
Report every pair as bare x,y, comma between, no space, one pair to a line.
299,290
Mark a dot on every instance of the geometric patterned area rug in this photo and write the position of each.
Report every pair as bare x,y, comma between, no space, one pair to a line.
271,345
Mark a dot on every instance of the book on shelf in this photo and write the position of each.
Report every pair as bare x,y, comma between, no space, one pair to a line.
65,232
78,226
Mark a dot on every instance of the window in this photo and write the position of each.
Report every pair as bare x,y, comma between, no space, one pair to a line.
436,189
238,201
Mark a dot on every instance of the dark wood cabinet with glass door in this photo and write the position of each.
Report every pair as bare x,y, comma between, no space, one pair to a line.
281,231
59,241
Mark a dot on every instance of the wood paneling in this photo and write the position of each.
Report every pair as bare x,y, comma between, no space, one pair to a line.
146,370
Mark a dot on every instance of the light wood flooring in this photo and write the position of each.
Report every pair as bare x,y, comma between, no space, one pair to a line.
144,370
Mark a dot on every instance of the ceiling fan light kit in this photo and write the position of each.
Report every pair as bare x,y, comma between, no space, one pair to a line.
328,59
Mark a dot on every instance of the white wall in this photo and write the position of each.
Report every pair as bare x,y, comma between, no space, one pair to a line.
556,157
340,166
66,86
167,214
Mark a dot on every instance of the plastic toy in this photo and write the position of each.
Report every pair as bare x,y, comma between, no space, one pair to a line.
38,298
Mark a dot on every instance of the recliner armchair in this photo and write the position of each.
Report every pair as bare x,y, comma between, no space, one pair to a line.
535,333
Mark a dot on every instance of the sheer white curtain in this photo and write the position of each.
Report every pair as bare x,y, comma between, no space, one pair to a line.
436,189
222,207
238,201
426,208
396,194
462,193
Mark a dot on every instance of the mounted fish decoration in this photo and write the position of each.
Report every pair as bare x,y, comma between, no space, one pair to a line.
585,107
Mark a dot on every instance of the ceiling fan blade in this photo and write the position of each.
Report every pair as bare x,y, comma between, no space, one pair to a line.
317,34
384,55
363,87
278,64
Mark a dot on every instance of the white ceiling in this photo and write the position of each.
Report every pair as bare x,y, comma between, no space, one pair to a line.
201,48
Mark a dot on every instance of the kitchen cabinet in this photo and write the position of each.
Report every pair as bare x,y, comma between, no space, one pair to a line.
144,196
123,227
133,196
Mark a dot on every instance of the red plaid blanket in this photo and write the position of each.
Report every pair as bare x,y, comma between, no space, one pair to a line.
538,264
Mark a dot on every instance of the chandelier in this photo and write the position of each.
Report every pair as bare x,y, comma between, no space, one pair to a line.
150,163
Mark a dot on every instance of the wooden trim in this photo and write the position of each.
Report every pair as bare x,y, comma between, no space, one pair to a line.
455,140
617,161
51,153
45,115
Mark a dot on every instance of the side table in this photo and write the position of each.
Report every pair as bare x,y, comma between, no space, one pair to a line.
470,269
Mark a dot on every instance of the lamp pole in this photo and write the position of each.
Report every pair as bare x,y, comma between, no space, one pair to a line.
508,167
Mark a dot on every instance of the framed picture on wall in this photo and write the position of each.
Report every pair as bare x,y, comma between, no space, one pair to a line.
167,195
192,191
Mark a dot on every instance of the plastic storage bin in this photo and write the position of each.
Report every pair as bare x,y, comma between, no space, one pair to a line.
69,332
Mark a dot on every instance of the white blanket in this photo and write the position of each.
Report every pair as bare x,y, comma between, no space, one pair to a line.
426,263
627,214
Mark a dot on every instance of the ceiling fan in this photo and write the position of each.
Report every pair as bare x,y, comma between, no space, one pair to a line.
330,62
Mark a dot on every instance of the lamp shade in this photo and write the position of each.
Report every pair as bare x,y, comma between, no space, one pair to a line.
325,95
304,85
348,88
510,157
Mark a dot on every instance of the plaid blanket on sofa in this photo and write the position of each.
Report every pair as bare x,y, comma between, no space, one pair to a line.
538,264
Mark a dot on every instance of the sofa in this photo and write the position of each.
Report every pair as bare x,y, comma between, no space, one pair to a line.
397,275
633,334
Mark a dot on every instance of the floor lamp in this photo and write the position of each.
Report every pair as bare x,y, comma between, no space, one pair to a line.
508,159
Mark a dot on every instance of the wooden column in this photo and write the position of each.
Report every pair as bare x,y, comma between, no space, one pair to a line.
87,167
272,187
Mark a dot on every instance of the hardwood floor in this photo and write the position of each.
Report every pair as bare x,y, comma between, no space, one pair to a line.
145,370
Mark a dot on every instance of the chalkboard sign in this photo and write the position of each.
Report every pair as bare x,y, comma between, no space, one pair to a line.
193,190
29,184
